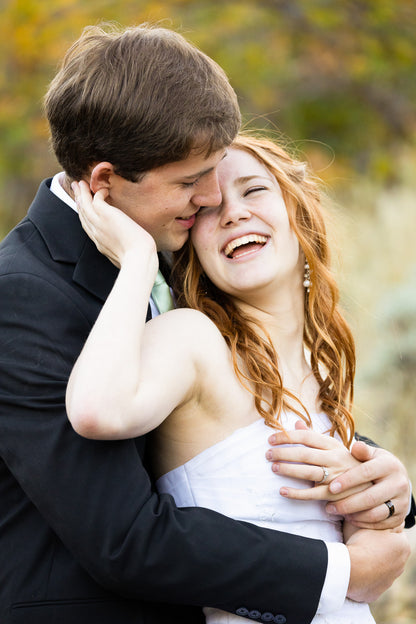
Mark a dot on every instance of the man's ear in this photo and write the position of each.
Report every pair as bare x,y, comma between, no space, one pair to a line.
101,177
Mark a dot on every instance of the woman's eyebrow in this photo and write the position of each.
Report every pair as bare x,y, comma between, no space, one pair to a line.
245,179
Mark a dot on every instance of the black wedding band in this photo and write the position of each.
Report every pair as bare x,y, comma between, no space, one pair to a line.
390,507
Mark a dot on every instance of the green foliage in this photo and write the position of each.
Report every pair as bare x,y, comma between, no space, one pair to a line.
376,269
390,376
315,69
320,70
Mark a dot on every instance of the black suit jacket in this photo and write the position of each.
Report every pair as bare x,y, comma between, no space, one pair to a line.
83,536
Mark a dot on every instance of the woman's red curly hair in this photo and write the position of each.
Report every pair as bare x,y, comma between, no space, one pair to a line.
327,336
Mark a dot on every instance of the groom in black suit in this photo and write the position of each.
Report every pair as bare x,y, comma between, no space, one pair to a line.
83,536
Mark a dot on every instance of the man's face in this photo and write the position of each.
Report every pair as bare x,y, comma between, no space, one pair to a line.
166,200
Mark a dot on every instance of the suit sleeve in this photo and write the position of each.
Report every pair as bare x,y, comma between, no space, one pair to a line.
97,496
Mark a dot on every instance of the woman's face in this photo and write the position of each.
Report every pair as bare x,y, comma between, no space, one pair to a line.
246,242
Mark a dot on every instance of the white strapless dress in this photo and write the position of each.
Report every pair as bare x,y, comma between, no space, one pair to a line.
234,478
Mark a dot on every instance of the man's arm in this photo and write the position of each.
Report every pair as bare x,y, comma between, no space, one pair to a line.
97,497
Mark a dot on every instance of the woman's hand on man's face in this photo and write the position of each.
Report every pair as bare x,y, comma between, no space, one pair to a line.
114,233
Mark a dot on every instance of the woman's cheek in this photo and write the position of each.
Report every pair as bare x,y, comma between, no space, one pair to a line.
201,234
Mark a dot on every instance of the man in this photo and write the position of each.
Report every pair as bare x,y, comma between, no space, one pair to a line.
83,537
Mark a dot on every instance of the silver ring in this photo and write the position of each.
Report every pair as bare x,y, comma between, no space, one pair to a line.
390,507
325,476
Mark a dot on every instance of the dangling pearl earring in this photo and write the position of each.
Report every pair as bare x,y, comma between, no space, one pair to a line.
307,283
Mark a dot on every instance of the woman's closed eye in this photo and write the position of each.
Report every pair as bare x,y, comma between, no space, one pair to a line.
254,189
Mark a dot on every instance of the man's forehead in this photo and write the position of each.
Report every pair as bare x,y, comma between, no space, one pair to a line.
195,165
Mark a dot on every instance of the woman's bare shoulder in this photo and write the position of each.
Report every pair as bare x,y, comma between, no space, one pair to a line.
185,322
190,337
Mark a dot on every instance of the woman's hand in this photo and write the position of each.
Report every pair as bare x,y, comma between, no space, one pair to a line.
311,456
371,477
113,232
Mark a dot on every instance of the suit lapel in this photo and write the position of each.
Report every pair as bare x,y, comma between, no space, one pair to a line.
165,264
67,242
58,225
94,272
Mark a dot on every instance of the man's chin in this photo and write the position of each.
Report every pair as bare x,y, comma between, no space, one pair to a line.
174,245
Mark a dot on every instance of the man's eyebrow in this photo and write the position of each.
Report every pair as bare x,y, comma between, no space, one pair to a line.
198,174
203,172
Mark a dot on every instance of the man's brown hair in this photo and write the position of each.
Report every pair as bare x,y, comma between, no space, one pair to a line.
139,98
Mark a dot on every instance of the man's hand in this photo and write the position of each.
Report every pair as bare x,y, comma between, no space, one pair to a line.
377,559
367,509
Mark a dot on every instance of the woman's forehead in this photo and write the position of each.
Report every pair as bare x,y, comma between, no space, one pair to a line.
239,163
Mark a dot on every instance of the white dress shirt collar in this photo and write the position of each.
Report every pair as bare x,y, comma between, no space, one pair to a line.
58,190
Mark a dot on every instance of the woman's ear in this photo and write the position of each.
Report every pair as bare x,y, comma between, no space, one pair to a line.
101,177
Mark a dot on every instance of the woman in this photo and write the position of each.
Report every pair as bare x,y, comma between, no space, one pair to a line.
264,346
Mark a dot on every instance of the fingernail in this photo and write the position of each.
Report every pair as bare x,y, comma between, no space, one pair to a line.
269,455
335,487
272,439
331,509
275,467
283,492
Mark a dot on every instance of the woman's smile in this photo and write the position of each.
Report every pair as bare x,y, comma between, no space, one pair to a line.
243,245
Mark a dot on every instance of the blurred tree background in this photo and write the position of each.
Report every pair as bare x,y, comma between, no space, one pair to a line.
338,78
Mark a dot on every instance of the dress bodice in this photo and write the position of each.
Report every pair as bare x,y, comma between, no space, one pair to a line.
234,478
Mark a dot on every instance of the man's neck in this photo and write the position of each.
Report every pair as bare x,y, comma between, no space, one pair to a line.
59,189
65,182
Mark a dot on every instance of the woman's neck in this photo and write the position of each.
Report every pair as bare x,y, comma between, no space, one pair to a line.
282,319
280,312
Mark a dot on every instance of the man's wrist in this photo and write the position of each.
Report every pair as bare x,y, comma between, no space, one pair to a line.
334,590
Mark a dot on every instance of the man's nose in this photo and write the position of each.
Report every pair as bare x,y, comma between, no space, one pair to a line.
208,192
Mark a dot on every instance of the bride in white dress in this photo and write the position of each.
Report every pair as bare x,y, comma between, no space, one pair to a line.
270,349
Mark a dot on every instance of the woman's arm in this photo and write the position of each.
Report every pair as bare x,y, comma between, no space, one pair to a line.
126,380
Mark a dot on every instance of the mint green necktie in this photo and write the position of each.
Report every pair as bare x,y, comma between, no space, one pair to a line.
161,294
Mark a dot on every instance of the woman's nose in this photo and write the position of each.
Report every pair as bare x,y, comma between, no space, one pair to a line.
233,212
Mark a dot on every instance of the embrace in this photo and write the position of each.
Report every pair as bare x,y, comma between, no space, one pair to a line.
174,499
